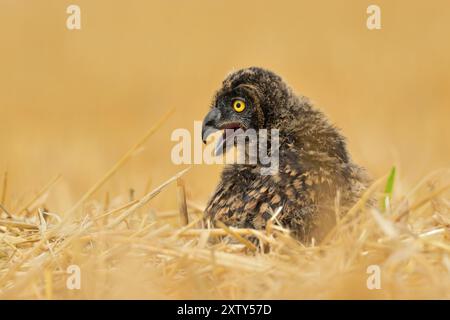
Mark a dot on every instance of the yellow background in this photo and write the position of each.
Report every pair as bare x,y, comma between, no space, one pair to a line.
72,102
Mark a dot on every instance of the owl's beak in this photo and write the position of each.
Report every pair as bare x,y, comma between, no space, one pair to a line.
213,122
210,123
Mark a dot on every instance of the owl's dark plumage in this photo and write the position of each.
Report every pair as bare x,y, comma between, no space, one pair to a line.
314,165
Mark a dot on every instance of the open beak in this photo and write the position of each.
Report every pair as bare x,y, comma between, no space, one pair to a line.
213,122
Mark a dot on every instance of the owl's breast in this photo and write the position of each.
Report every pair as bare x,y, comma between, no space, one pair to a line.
249,200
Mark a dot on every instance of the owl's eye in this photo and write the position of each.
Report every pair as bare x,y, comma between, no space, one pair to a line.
238,105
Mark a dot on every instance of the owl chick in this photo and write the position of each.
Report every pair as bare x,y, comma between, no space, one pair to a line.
315,170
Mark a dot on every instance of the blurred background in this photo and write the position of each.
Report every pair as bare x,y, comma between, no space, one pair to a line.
73,102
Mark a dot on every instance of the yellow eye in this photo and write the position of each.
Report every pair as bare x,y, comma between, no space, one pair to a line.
238,105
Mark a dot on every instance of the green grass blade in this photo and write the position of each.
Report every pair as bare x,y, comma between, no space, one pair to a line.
389,189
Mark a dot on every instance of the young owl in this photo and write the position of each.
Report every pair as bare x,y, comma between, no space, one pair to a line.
314,173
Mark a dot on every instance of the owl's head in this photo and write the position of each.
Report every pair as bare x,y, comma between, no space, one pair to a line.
251,98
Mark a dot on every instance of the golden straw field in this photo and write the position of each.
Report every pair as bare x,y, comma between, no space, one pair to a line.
86,176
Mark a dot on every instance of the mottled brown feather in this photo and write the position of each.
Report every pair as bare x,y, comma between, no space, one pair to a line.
314,165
